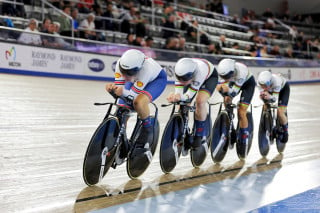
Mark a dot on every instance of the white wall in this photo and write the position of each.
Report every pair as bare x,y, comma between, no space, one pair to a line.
259,6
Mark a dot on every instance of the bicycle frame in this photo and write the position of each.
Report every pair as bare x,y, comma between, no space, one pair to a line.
273,112
184,112
122,135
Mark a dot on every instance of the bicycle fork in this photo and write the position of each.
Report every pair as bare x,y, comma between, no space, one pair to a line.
274,124
105,152
230,132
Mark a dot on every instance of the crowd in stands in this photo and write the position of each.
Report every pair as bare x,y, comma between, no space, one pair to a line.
92,18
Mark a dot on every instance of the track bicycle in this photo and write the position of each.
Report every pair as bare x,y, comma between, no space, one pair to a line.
225,134
110,147
269,130
177,138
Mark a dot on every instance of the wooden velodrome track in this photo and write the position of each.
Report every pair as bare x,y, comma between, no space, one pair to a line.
46,124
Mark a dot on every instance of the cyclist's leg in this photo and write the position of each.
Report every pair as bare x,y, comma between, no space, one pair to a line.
282,109
245,100
141,105
205,92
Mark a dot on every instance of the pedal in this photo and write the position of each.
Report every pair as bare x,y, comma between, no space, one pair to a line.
184,151
148,153
205,146
118,160
231,145
268,137
114,165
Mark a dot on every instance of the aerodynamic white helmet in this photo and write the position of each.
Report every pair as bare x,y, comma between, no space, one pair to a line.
131,62
185,69
264,78
226,68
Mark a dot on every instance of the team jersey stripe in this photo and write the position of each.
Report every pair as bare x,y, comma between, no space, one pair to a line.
178,86
119,82
136,90
205,91
192,89
244,104
236,85
148,94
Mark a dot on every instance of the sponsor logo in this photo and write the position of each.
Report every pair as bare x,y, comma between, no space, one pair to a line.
117,75
11,54
196,83
139,84
96,65
11,57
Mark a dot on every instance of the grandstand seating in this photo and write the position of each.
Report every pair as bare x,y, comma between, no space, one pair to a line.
214,26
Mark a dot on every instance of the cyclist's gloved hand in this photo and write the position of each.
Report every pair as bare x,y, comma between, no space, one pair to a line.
267,97
223,93
113,94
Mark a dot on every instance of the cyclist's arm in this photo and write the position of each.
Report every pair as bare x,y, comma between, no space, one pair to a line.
179,90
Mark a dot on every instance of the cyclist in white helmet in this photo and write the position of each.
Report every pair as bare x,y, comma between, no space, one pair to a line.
198,78
233,78
140,80
274,88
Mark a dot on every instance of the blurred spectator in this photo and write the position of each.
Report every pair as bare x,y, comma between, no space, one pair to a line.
172,43
288,53
11,9
275,51
270,24
254,50
76,21
130,39
166,33
98,21
50,39
127,18
57,3
65,22
140,28
221,44
8,21
138,41
308,20
246,20
216,6
235,45
236,20
58,39
264,51
192,32
45,28
30,38
267,13
85,6
45,25
212,49
314,45
297,17
286,15
182,44
167,12
149,42
109,24
89,27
